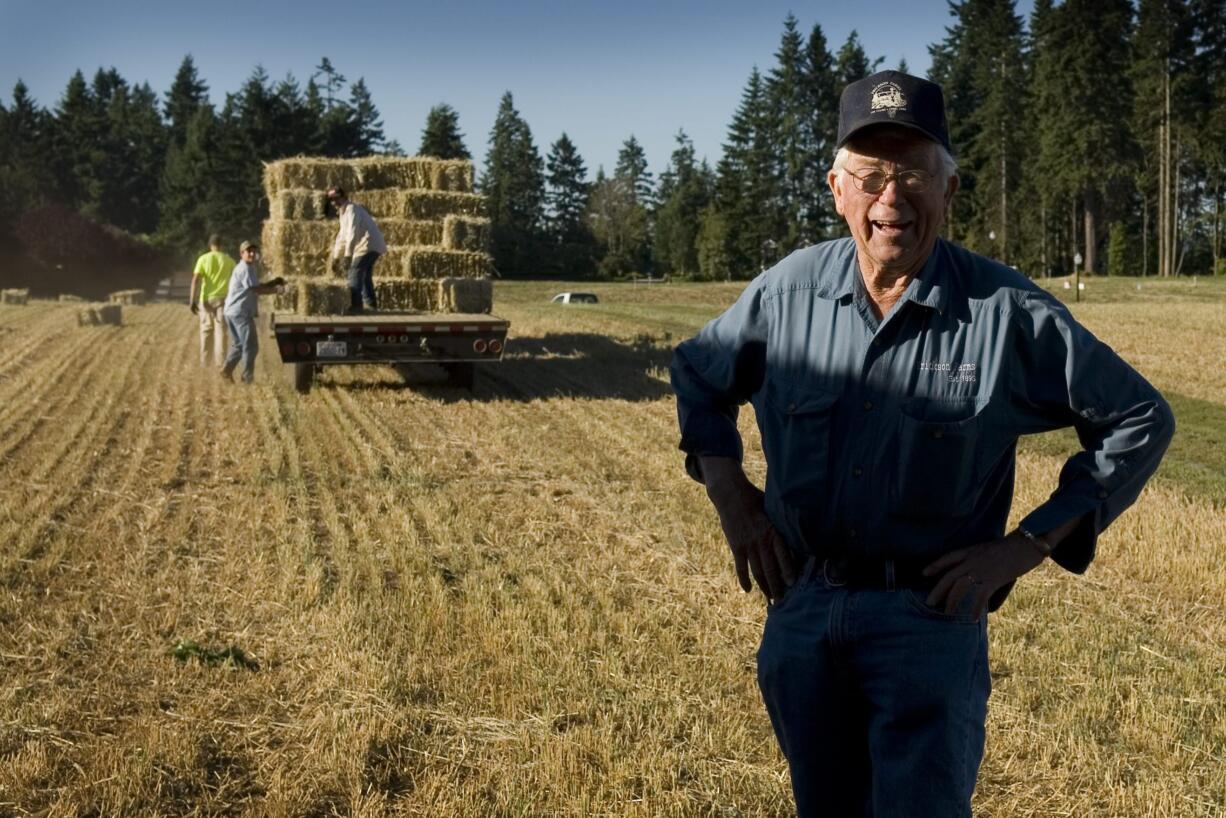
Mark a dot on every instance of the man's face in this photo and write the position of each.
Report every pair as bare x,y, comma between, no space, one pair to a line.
250,255
894,229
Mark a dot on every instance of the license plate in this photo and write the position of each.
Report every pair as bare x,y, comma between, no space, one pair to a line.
331,349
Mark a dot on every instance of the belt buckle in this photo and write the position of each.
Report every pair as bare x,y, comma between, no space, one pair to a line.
826,575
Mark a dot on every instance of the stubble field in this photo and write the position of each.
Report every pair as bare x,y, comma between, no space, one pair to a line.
417,601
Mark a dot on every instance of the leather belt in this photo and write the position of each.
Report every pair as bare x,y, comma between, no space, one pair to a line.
868,573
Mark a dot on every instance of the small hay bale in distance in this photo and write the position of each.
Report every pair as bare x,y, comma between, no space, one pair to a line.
17,297
70,298
133,298
470,233
94,315
433,262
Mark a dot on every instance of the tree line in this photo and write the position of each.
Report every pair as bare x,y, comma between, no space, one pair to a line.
1094,129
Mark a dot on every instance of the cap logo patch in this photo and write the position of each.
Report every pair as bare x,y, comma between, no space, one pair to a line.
888,97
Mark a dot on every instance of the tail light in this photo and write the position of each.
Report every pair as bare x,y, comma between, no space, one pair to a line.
379,339
304,348
404,339
287,349
479,346
495,346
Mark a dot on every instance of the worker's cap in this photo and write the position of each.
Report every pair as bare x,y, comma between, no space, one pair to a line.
248,245
893,98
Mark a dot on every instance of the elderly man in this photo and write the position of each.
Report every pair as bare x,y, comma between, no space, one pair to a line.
891,374
359,243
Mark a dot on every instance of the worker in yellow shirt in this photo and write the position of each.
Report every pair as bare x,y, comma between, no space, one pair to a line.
210,282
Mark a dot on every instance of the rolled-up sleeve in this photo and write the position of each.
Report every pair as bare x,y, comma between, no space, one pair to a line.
1068,377
714,373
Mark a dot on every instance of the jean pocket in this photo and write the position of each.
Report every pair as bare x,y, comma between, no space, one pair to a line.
938,456
918,600
796,441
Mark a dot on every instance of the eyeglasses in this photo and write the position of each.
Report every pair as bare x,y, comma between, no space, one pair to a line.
875,181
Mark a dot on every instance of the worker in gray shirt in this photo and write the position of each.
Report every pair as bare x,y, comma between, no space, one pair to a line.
891,374
242,308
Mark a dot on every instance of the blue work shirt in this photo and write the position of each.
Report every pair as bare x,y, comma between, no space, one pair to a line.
896,439
242,301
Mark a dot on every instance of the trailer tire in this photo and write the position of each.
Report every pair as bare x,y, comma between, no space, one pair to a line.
304,376
462,374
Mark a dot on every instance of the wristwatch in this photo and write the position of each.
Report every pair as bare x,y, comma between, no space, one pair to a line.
1041,545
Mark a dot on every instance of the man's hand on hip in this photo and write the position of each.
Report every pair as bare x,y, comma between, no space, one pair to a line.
979,571
757,549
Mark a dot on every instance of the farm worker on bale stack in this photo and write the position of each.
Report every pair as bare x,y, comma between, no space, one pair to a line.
891,374
241,309
360,244
212,275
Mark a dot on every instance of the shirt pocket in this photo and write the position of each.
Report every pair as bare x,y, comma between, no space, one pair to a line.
939,443
796,442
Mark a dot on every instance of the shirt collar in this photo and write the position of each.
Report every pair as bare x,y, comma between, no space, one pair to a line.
931,286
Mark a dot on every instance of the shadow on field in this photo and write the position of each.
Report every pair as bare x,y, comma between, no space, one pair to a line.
563,365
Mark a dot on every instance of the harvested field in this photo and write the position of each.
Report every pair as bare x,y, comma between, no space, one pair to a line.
376,600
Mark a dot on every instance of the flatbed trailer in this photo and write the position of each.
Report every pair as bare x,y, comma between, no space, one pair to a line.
456,341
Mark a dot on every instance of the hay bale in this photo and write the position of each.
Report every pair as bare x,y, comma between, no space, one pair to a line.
466,233
474,295
315,297
383,203
134,298
410,172
437,263
69,297
298,203
18,297
435,205
97,314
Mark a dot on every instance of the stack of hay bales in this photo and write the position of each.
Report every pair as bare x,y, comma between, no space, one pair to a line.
432,221
94,315
134,298
21,296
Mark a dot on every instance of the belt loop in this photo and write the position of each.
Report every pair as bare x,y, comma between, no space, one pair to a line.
889,576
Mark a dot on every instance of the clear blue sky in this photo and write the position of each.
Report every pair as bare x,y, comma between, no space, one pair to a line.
599,71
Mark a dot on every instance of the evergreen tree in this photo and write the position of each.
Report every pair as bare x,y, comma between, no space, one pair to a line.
513,183
334,81
566,192
188,187
747,184
822,89
790,112
367,126
187,93
136,147
852,63
441,137
26,175
685,191
981,68
78,145
632,166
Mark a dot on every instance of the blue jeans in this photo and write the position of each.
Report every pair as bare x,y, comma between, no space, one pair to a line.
878,701
244,344
362,281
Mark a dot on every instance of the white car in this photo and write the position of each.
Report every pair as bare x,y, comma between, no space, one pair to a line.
576,298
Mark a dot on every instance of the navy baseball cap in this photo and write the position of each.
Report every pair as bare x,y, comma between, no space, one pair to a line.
893,98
